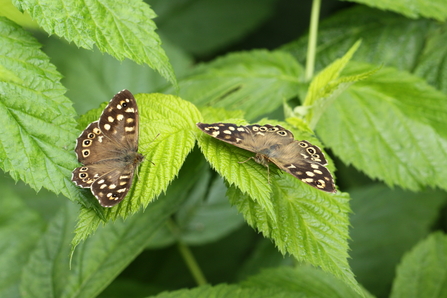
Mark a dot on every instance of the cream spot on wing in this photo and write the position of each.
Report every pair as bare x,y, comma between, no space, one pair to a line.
112,186
227,132
231,128
291,167
128,129
215,133
101,181
318,172
309,173
119,107
121,190
128,120
260,133
314,166
238,140
323,184
103,186
100,139
107,126
109,195
120,117
129,110
240,129
124,177
308,180
111,119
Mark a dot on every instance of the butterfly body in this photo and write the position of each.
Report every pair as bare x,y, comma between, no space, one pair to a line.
108,150
276,144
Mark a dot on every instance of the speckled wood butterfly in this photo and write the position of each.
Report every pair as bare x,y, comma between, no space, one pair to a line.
276,144
107,148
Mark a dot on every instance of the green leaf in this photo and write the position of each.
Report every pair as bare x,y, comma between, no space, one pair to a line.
310,224
234,165
204,26
92,77
384,128
223,291
328,85
244,81
401,218
303,281
167,126
436,9
212,115
200,218
8,10
249,177
123,29
20,229
38,132
98,260
423,270
430,64
387,38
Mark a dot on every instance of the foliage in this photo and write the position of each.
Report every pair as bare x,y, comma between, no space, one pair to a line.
376,106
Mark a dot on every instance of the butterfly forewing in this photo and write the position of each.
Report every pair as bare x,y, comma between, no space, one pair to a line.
276,144
107,148
120,122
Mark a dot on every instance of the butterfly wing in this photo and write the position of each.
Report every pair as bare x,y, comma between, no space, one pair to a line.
306,162
254,138
120,121
107,148
112,187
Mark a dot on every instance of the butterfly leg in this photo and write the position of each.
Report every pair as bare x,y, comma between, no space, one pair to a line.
252,157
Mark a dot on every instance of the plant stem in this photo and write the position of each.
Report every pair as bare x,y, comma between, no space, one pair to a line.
312,43
187,255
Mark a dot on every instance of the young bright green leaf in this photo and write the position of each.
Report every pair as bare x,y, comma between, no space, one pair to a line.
387,126
436,9
20,229
399,219
8,10
236,166
302,280
327,85
244,81
310,224
38,133
123,29
212,115
88,221
423,270
251,178
319,86
225,291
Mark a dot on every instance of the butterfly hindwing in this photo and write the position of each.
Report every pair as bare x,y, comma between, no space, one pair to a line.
307,163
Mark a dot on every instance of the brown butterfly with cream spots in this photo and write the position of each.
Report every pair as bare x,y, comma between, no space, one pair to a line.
276,144
108,150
